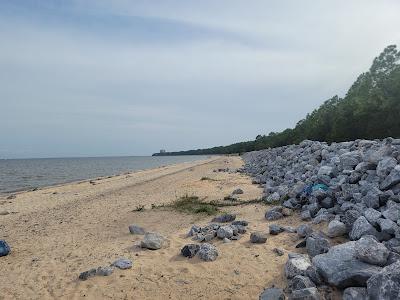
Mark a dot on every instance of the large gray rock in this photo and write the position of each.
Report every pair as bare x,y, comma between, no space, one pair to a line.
225,232
385,285
392,179
297,264
153,241
306,294
316,244
369,250
272,294
341,268
355,293
360,228
208,252
336,228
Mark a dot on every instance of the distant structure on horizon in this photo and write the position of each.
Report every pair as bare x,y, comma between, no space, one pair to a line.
163,151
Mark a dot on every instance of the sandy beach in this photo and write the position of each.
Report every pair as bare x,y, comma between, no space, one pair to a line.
58,232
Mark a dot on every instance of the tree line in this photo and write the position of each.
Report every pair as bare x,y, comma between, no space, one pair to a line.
369,110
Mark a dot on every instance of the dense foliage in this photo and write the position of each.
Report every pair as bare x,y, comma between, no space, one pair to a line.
370,110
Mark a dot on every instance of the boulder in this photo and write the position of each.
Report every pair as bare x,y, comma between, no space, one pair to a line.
4,248
190,250
355,293
360,228
316,244
272,294
225,232
153,241
336,228
341,268
258,237
385,285
208,252
369,250
297,264
306,294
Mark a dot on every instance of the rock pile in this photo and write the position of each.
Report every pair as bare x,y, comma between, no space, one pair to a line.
355,188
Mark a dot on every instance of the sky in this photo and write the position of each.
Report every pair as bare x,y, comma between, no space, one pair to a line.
131,77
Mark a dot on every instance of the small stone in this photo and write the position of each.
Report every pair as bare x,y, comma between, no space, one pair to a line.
240,223
4,248
225,218
237,192
104,271
122,263
152,241
87,274
275,229
208,252
278,251
272,294
355,293
258,237
134,229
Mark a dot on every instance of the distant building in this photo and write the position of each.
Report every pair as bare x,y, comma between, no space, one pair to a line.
163,151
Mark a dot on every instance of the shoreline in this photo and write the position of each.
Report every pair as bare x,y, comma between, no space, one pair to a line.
128,172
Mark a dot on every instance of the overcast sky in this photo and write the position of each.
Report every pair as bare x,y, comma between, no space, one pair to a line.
90,78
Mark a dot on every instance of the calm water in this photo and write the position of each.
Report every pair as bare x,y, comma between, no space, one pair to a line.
23,174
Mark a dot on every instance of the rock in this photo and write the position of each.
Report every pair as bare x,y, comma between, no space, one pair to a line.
302,244
226,240
385,285
278,251
305,215
316,244
153,241
393,245
87,274
225,232
272,294
274,213
241,223
392,258
340,267
297,265
360,228
237,192
327,203
336,228
135,229
275,229
274,197
300,282
325,171
190,250
11,197
392,179
350,216
372,216
371,199
388,226
306,294
355,293
208,252
104,271
369,250
258,237
304,230
225,218
4,248
385,166
195,229
4,213
122,263
314,275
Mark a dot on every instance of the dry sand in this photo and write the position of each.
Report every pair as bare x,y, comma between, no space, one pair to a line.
57,232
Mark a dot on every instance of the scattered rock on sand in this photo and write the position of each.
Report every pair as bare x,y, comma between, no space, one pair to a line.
274,213
4,248
225,232
237,192
135,229
225,218
87,274
152,241
272,294
258,237
208,252
275,229
122,263
278,251
4,213
11,197
190,250
104,271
